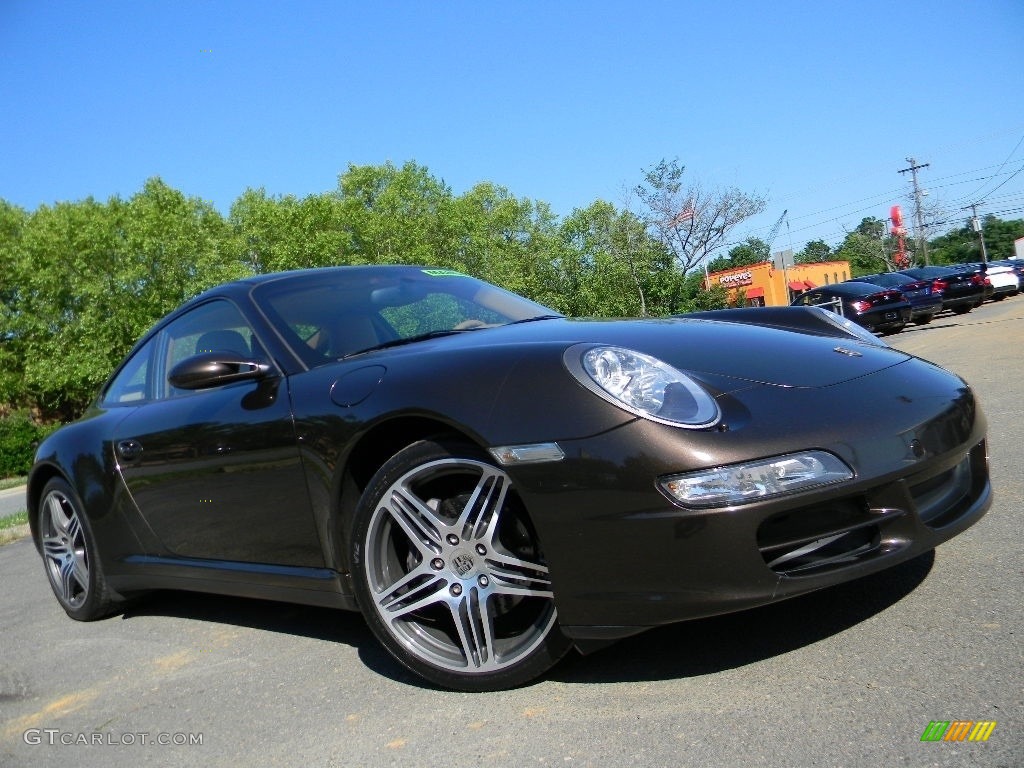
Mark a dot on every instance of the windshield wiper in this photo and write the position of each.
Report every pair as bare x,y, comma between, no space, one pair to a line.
442,332
410,340
534,319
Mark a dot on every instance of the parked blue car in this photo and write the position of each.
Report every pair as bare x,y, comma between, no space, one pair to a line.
925,303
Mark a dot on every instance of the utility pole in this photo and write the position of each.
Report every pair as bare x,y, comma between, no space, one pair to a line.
922,241
976,223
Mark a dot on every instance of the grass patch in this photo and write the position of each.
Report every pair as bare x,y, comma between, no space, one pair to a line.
19,518
13,527
12,482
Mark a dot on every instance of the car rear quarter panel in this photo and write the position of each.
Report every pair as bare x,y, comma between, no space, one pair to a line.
82,454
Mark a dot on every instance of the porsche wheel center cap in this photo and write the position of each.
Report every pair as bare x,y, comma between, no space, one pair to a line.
462,563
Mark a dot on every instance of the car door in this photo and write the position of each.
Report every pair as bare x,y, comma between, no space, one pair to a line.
216,473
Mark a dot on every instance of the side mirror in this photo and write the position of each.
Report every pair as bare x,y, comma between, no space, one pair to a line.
215,369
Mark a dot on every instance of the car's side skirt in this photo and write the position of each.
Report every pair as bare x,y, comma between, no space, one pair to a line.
307,586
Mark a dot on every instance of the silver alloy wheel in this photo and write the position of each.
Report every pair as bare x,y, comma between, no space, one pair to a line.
453,568
64,550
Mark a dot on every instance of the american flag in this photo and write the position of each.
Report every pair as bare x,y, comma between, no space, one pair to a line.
684,215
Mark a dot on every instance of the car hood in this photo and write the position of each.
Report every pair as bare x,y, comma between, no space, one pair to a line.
743,352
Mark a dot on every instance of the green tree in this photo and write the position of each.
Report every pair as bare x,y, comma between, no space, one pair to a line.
611,266
955,247
865,254
867,248
91,277
493,235
999,236
814,252
961,245
392,214
692,297
271,234
753,250
871,227
12,354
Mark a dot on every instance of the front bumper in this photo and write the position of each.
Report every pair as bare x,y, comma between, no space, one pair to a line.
623,557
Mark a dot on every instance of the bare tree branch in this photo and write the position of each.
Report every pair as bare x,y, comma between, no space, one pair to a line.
689,220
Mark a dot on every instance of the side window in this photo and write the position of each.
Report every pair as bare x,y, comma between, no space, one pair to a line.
810,299
132,384
214,327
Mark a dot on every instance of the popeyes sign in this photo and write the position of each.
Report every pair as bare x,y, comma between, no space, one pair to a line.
737,278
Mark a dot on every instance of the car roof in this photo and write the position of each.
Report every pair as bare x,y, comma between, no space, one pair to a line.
356,271
853,288
933,270
898,277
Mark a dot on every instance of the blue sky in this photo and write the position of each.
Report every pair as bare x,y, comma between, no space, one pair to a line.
817,105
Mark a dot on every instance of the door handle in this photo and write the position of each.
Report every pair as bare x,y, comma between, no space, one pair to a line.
129,450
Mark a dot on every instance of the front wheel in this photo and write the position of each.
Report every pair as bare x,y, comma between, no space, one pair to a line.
449,571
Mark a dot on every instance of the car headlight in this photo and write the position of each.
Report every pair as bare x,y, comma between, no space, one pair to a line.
756,480
643,385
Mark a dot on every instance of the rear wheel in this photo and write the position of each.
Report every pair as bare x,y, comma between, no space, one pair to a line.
962,309
69,554
449,572
924,319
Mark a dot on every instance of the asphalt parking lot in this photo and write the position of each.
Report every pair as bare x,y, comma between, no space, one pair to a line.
851,676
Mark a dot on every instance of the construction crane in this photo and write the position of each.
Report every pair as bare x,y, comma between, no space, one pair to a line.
774,232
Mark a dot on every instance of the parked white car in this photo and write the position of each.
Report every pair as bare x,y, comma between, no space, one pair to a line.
1005,280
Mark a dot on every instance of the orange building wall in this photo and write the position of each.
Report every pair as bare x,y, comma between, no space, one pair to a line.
765,285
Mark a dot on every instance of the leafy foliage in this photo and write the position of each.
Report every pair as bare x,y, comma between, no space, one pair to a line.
19,435
962,245
753,250
814,252
867,248
91,277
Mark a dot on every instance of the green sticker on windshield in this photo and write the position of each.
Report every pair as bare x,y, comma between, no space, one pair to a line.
442,273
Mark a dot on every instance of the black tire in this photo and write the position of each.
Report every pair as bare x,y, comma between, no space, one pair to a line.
449,573
924,319
963,309
68,547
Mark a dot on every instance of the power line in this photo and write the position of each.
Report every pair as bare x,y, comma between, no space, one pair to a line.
1002,165
813,220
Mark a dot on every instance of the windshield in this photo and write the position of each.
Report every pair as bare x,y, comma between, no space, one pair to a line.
331,314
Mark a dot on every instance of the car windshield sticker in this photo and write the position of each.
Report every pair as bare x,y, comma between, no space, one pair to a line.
442,273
